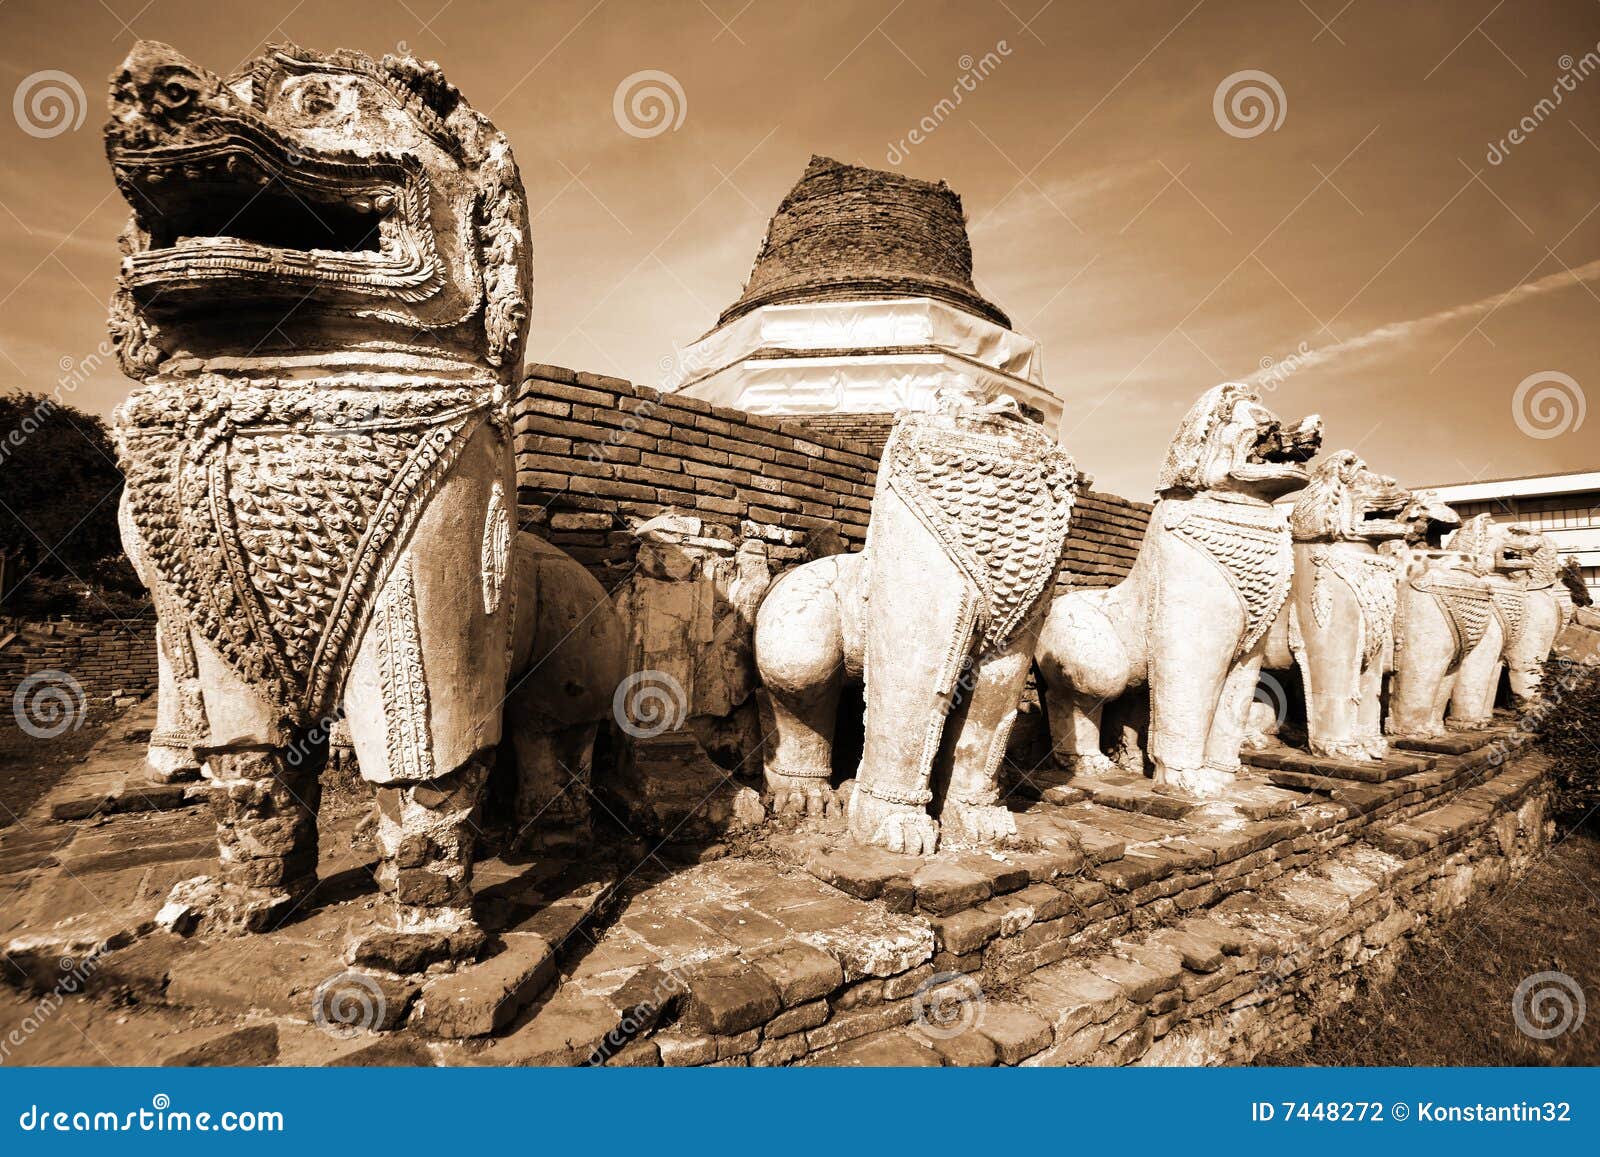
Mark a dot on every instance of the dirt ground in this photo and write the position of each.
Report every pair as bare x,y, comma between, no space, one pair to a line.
29,767
1450,1003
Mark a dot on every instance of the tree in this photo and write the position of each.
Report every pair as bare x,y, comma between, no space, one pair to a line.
59,490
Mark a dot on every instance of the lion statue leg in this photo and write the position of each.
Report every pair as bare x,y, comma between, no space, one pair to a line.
568,657
916,638
1192,644
1472,698
423,697
972,811
800,653
1229,725
1083,666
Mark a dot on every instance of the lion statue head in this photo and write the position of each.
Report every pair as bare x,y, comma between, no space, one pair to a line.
1229,440
1509,549
311,203
1346,502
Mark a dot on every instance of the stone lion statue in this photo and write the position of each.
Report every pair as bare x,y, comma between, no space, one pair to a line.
1442,610
1521,569
1190,619
938,615
324,296
1337,625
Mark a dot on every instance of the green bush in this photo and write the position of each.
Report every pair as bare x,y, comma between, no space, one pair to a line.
1568,723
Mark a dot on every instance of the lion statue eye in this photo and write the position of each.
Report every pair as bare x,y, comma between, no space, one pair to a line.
176,90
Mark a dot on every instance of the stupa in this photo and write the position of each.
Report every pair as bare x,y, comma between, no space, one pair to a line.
861,304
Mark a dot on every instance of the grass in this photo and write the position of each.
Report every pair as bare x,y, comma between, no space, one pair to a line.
1450,1001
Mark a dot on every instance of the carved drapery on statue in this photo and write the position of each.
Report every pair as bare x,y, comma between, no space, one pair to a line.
1372,579
1250,545
998,500
1466,606
272,513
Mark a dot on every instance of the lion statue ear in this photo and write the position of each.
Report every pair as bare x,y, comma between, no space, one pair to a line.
507,260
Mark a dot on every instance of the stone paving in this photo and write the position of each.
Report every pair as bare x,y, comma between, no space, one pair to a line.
1123,923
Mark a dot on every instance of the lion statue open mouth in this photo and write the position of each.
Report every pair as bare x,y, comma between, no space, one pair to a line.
335,200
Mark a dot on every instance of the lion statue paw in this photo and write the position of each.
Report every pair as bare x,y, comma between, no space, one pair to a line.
978,823
1094,763
895,827
1205,782
801,795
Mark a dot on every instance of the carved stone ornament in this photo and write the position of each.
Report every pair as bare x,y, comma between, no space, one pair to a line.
323,295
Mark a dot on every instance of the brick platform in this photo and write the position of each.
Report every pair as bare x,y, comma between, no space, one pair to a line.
1125,925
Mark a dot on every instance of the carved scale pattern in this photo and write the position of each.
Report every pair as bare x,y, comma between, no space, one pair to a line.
1466,609
1374,580
1509,606
273,538
1250,544
998,498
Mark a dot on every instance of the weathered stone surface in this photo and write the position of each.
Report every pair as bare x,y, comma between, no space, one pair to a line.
896,1049
861,872
254,1045
796,1019
966,931
480,999
969,1050
799,972
568,1029
1017,1033
1073,996
727,997
945,887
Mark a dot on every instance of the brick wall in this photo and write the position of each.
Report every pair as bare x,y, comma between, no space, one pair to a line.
867,432
596,452
114,662
1106,532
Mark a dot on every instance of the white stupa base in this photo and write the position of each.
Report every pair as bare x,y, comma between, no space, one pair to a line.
861,357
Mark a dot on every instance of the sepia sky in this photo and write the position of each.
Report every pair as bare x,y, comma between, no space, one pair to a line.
1112,215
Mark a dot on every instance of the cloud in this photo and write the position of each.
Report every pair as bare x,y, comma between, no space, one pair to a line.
1399,331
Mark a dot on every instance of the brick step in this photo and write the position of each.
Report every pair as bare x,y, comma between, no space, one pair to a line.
1279,757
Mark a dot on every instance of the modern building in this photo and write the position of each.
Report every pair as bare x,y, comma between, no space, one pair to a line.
861,302
1564,507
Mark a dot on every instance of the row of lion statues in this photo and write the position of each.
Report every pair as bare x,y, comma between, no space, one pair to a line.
323,298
